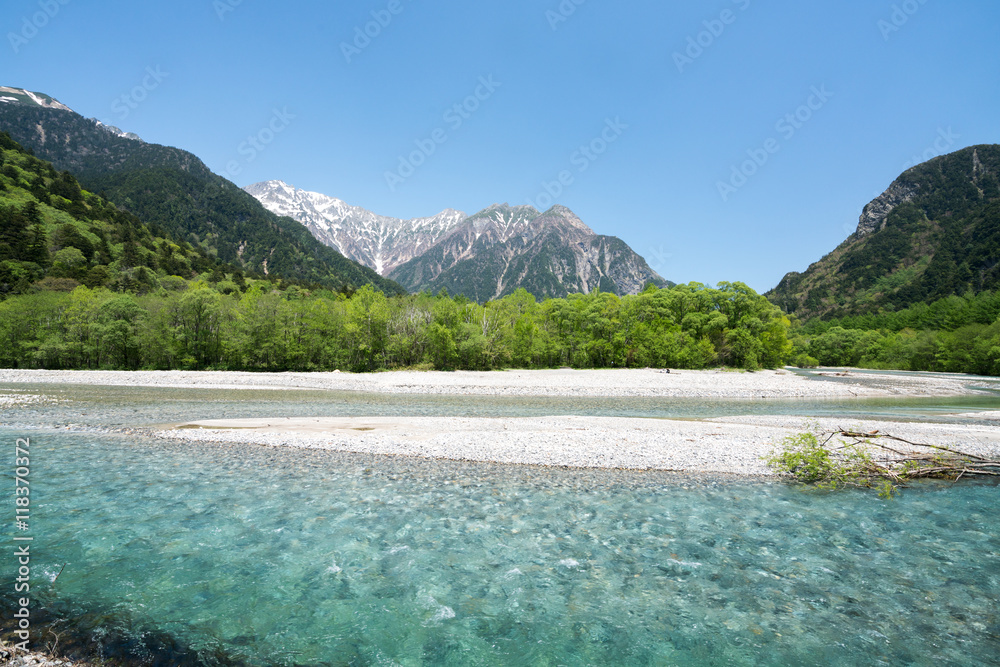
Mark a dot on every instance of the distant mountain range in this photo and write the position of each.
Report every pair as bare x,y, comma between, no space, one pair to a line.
173,190
935,232
315,238
486,256
550,254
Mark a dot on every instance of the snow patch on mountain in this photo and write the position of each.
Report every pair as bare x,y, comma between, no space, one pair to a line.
22,96
116,131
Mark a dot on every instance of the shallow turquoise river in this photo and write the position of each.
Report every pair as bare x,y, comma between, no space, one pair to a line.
172,553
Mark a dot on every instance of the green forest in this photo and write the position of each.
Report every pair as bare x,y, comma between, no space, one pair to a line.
204,325
54,235
956,334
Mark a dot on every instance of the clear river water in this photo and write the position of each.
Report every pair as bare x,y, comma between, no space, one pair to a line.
164,552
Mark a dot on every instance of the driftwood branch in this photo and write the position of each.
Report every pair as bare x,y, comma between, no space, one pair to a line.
853,458
867,437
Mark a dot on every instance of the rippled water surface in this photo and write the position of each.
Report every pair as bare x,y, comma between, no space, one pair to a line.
274,557
314,558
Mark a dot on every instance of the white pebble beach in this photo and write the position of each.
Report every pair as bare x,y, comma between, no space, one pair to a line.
732,445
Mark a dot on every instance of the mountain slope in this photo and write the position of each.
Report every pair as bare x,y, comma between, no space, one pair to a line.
504,248
172,188
377,241
934,232
54,235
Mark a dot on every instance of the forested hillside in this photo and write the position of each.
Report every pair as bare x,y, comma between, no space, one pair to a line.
84,284
174,190
54,236
934,233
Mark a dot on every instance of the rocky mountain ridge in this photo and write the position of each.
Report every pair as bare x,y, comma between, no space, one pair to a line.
504,248
379,242
484,256
24,97
9,95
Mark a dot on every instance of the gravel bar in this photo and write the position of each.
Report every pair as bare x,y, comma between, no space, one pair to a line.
559,382
732,445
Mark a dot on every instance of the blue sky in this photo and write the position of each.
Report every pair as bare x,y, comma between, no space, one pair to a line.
723,140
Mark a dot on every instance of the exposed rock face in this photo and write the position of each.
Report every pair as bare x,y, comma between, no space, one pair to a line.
486,256
504,248
118,132
874,215
377,241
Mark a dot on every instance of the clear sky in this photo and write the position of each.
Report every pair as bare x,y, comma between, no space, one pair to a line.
634,114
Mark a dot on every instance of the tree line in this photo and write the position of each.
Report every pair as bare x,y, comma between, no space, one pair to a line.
956,334
205,325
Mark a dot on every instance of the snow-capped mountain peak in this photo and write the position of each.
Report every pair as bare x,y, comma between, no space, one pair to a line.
377,241
483,257
9,95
